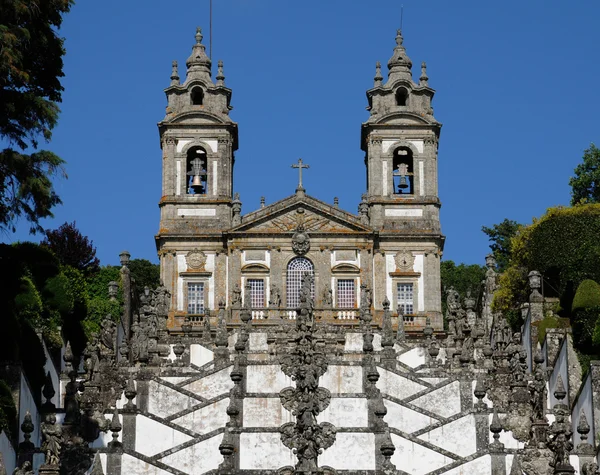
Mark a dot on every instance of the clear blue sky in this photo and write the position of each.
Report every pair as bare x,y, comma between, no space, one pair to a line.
517,92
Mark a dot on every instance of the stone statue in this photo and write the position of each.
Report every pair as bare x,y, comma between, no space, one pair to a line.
560,439
25,469
327,297
537,389
108,333
52,439
139,342
275,297
236,298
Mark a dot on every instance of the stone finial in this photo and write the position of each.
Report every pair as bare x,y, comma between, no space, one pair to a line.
535,283
115,427
496,428
27,428
198,63
480,392
48,392
363,209
236,208
559,391
262,201
220,76
174,74
336,202
378,76
399,64
113,290
423,80
583,429
68,357
97,466
130,393
124,258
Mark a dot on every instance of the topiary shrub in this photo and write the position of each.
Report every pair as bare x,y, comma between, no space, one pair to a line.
587,295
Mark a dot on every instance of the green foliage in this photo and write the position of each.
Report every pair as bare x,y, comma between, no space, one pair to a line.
28,302
462,276
144,273
97,284
550,321
72,248
58,295
587,295
30,67
501,236
39,262
563,246
26,187
585,185
584,323
8,411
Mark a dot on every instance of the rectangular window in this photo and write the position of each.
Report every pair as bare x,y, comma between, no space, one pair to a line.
345,293
195,298
405,298
257,293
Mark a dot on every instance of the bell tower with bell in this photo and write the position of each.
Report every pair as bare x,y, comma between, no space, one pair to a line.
400,140
198,140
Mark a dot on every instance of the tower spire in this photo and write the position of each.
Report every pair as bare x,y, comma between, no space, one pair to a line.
399,64
378,76
198,63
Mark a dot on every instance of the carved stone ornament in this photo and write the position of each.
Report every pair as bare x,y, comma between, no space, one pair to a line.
405,261
195,260
300,241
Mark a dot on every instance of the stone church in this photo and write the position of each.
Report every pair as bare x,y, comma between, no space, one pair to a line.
211,253
301,339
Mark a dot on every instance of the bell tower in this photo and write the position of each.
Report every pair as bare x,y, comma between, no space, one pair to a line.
198,141
400,141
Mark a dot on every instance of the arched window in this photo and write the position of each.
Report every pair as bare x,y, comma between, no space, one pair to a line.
404,178
197,96
196,171
295,270
401,97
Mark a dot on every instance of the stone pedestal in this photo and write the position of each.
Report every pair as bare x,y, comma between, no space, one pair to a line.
49,470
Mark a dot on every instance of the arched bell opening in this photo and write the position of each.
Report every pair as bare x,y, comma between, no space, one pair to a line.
401,97
197,96
404,177
196,171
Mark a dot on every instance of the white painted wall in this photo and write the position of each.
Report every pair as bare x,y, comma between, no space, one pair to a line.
8,453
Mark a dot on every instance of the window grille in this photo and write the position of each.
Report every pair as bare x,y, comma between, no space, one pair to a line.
345,293
405,298
295,270
195,297
257,293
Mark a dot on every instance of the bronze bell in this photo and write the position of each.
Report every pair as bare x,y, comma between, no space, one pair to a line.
403,183
196,181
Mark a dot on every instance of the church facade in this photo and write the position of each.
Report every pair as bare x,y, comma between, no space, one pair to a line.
211,254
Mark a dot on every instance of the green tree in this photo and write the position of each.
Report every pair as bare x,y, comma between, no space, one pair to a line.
563,246
501,236
30,70
144,273
72,248
462,278
585,185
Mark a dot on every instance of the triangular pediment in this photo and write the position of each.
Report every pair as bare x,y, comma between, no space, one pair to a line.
314,215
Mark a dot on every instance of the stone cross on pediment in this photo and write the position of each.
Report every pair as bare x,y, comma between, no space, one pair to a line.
300,166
